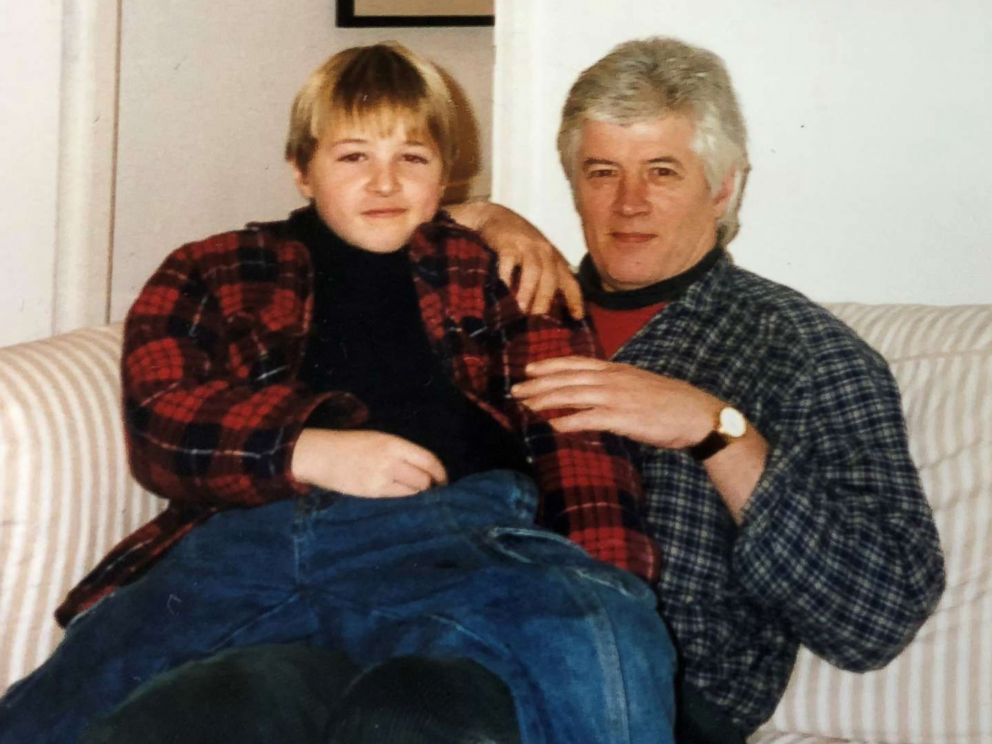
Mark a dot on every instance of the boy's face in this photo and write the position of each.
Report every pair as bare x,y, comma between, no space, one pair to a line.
373,190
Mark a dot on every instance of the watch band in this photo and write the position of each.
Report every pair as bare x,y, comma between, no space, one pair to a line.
729,426
711,444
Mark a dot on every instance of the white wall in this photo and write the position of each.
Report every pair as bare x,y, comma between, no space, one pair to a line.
30,52
869,132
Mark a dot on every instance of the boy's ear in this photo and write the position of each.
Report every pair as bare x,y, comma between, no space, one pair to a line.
302,181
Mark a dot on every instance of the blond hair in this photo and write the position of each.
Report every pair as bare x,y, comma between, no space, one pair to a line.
650,78
378,86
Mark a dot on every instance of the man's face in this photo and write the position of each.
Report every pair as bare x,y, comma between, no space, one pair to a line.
647,211
373,190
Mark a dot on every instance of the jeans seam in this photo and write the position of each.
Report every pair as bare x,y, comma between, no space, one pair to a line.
606,646
226,641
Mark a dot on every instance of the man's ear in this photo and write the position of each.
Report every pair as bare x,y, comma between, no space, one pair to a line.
302,181
721,199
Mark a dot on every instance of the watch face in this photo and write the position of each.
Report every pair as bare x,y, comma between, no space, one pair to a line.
732,422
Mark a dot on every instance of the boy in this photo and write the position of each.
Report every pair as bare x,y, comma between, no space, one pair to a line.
324,402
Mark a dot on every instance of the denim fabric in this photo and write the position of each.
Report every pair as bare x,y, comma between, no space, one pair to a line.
453,572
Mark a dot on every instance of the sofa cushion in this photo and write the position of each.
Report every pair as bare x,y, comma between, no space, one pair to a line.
939,690
59,419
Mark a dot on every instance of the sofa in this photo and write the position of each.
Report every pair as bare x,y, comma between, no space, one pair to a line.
66,496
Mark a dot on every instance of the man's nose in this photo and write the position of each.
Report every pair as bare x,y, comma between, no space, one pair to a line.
631,197
383,180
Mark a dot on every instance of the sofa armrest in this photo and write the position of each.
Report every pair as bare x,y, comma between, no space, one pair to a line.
66,495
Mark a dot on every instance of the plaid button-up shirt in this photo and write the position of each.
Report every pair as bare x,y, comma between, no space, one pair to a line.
213,406
837,549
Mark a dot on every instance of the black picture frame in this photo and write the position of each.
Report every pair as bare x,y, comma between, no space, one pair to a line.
347,17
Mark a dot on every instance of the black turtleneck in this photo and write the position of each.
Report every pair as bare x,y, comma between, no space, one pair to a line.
666,290
368,339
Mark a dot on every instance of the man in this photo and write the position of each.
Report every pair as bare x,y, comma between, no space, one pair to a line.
773,447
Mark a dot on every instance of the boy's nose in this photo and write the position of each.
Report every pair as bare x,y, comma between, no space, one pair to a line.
383,180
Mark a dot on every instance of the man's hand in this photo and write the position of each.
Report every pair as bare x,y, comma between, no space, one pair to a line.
625,400
363,462
520,245
648,408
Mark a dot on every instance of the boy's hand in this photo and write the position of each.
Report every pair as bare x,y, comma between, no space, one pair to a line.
520,245
365,463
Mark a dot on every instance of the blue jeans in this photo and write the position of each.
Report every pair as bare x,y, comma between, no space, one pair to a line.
453,572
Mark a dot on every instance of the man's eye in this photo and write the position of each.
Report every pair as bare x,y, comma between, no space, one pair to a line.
661,171
600,173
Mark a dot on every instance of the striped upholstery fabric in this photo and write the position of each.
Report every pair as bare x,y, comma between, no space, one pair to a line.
939,691
65,491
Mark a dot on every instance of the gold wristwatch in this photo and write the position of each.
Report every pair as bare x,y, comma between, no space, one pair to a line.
730,425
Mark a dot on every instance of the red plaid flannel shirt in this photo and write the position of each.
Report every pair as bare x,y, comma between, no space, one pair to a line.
213,407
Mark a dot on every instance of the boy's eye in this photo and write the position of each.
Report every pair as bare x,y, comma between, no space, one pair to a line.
412,157
352,157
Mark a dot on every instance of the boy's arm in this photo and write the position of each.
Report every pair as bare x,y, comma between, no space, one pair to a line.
212,408
590,489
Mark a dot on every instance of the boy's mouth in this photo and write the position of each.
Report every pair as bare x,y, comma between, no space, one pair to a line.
383,212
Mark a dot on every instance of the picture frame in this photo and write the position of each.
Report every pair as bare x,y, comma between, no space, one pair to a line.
412,13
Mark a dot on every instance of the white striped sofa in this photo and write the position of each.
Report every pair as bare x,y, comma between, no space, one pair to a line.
66,497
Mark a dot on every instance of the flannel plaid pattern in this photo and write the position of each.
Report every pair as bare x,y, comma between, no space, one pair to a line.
212,406
837,549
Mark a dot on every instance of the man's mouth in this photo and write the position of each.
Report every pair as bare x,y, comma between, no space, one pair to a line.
631,237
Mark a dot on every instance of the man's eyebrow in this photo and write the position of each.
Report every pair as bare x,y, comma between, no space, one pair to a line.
598,161
661,159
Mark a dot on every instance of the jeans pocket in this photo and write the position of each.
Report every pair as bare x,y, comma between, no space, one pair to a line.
533,545
543,547
87,612
617,579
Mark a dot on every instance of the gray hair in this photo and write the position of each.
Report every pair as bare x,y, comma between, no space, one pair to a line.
649,78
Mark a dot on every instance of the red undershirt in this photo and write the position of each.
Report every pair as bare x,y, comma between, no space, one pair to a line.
617,316
614,328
